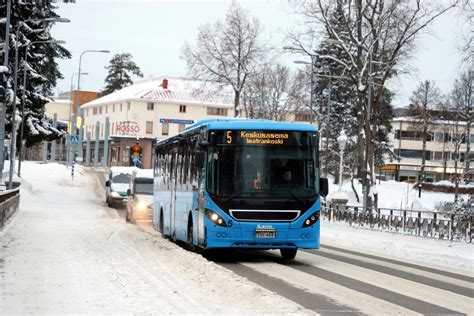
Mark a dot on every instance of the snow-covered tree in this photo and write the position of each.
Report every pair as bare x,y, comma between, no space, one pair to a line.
42,68
120,69
376,38
227,52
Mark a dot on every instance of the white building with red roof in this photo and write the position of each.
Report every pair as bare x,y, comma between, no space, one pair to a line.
151,109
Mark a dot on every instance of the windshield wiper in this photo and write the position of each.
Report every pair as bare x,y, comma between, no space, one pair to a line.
233,196
293,194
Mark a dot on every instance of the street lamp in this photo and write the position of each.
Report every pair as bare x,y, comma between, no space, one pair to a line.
74,129
342,140
69,126
311,104
23,107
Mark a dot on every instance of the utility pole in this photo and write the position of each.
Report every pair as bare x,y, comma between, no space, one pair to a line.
3,98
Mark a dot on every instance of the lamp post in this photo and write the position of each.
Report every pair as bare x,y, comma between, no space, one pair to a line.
77,112
69,126
311,103
342,140
23,101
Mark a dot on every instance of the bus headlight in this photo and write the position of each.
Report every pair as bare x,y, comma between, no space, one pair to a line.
313,218
215,218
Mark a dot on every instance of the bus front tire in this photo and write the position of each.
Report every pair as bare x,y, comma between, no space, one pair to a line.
288,253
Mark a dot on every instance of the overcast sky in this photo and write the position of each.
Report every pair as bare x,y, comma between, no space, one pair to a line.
153,31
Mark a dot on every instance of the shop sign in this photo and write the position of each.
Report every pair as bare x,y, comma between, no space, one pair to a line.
127,128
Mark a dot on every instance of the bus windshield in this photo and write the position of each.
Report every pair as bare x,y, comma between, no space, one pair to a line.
263,170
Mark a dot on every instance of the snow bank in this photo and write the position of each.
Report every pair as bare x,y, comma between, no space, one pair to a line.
393,195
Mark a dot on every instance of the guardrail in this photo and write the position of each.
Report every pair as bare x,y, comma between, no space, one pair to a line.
456,227
9,203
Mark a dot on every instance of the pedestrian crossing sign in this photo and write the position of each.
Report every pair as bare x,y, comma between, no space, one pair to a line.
74,139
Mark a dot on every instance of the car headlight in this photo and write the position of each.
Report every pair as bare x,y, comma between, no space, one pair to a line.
114,194
313,218
215,218
141,207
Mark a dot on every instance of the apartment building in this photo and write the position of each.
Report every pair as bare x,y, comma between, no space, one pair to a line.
152,109
441,142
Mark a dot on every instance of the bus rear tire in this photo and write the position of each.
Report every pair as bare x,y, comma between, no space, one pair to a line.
161,227
190,232
288,253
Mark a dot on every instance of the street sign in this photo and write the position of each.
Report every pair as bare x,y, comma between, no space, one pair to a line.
74,139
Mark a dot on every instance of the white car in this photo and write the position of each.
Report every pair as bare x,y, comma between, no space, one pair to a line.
140,196
118,184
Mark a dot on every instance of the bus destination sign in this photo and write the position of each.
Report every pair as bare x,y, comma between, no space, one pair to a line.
263,138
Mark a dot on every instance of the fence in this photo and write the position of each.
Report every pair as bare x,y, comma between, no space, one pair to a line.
458,227
9,203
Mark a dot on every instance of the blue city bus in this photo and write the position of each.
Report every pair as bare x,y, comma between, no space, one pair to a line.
232,183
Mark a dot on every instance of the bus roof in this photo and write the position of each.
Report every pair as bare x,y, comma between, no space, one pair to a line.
246,124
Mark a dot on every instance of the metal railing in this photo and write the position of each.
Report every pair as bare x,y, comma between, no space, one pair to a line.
448,226
9,203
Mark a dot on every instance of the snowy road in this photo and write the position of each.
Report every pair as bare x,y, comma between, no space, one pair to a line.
66,252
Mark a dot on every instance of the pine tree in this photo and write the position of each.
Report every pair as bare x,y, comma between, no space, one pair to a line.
120,69
42,69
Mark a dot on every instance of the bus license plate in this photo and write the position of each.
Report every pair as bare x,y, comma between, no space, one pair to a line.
264,233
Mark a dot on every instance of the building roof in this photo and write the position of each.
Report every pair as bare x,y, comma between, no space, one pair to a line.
176,89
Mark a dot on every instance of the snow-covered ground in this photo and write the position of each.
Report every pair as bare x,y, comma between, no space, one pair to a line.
66,252
394,195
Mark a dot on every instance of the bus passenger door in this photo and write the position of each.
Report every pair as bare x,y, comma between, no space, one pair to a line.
173,179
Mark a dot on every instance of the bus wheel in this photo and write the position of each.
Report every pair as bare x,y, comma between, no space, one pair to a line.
161,228
288,253
190,235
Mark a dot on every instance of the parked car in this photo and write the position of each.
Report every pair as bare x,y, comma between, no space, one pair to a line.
117,185
140,196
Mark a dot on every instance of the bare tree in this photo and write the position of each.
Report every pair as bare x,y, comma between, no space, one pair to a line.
226,52
275,93
377,36
424,100
461,117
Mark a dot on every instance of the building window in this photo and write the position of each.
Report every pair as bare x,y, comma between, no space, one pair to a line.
181,127
413,154
165,129
94,111
113,107
150,106
182,109
106,109
217,111
128,106
149,127
100,110
87,112
120,106
127,150
302,117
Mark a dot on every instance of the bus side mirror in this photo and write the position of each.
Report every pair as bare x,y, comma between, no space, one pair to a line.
129,192
199,159
107,183
323,187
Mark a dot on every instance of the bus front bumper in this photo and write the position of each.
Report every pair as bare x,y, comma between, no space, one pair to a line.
244,235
